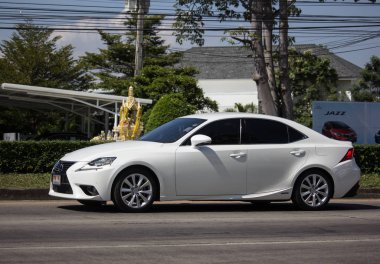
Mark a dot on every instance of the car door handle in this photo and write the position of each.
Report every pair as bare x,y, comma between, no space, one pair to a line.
297,153
238,155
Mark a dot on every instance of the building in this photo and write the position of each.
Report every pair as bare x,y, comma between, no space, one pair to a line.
225,72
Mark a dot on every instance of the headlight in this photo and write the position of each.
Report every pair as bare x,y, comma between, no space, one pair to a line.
98,164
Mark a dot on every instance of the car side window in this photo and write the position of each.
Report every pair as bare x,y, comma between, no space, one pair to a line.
295,135
222,132
263,131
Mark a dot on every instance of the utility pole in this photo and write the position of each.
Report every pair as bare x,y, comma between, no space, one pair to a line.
139,36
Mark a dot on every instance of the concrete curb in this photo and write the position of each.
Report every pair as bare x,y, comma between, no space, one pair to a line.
42,194
25,194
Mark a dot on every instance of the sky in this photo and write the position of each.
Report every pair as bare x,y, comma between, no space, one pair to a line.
349,30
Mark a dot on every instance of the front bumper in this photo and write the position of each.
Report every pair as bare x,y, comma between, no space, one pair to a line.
75,184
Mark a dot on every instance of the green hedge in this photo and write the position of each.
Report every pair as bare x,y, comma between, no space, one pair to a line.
368,158
35,156
40,156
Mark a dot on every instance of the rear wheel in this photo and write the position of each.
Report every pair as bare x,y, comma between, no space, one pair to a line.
312,191
134,190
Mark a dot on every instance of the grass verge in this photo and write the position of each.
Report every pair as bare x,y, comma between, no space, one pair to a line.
25,181
41,180
371,180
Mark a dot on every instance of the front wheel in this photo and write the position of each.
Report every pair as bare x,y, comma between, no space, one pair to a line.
312,191
134,190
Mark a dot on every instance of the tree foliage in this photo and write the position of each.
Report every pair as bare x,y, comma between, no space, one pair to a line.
247,108
114,66
31,57
275,96
368,88
311,78
257,35
167,108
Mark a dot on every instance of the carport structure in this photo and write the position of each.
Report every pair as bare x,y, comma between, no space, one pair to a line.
83,104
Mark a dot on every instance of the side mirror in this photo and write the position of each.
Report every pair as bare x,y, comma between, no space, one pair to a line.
198,140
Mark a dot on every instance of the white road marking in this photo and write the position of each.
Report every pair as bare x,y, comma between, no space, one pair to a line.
196,244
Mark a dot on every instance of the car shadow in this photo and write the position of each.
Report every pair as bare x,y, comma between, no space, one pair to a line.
219,207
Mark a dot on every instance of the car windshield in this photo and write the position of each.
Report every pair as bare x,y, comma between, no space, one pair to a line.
339,125
173,130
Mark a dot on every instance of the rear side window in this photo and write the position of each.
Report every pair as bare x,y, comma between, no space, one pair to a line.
295,135
263,131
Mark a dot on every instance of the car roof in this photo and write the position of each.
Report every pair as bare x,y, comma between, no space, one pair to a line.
224,115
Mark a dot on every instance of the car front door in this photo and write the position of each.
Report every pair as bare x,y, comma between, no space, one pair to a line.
218,168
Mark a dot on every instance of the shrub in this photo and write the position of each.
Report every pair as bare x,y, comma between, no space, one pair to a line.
368,158
35,156
168,108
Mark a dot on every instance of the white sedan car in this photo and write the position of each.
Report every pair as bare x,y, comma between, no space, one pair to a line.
222,156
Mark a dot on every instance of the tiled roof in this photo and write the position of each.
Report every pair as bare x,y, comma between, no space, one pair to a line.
233,62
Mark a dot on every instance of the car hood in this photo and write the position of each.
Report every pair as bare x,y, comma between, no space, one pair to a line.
109,150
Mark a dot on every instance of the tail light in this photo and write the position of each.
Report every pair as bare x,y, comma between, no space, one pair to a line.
349,155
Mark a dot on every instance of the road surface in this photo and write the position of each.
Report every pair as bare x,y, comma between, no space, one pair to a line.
186,232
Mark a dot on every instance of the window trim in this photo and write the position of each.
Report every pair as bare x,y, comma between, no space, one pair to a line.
243,125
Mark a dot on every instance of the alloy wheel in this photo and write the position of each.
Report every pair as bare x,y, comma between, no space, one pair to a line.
314,190
136,191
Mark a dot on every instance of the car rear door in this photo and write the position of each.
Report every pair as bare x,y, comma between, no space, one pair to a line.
276,151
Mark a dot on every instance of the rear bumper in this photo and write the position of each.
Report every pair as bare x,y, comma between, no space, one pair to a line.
346,177
353,192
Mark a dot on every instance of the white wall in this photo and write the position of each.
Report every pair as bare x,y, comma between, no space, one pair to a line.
227,92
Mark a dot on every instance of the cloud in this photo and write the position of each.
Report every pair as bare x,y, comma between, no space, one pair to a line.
88,40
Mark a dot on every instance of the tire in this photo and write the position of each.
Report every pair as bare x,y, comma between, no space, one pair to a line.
134,190
91,203
312,191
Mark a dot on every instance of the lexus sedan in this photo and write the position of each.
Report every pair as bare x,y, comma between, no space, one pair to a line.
339,131
219,156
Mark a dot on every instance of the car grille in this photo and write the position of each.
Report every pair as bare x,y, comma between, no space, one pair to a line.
60,168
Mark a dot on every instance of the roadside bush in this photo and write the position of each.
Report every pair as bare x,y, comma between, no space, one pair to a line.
35,156
168,108
368,158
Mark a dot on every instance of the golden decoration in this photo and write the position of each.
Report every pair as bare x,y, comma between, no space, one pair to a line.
129,127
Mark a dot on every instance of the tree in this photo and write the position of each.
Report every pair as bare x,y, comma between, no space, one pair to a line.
274,98
368,88
114,66
168,107
247,108
258,37
311,78
31,57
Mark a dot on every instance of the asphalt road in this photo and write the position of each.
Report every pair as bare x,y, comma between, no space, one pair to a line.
66,232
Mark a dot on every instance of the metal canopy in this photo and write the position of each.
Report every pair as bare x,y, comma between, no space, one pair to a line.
84,104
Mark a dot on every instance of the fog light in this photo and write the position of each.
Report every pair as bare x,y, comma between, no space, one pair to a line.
89,190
